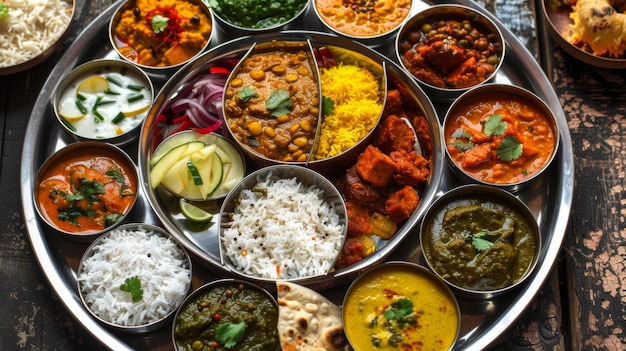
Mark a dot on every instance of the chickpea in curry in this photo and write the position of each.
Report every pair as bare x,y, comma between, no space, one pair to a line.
272,105
450,53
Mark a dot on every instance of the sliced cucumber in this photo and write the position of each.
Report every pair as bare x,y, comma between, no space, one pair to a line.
170,158
171,143
211,172
177,178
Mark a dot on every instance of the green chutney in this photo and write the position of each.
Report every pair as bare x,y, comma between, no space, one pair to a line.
257,14
197,323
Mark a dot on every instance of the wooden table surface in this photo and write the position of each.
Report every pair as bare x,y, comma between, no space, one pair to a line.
582,306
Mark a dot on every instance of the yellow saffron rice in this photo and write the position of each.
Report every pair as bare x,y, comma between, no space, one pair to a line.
358,105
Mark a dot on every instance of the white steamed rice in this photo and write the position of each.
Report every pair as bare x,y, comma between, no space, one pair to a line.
30,28
290,232
157,261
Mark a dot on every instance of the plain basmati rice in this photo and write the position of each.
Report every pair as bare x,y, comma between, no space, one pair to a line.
30,28
287,231
158,262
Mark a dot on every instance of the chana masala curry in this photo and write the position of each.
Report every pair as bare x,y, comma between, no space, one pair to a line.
450,53
499,139
162,33
86,193
272,104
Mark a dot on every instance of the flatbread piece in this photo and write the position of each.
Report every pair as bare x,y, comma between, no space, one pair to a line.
307,320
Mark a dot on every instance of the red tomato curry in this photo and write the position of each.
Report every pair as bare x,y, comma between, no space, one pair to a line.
499,139
86,193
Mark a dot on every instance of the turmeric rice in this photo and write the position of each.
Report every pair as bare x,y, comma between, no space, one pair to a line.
358,103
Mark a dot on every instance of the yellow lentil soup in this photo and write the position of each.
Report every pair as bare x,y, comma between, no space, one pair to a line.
400,306
363,18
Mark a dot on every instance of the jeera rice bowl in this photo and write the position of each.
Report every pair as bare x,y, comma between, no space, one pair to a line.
283,222
134,277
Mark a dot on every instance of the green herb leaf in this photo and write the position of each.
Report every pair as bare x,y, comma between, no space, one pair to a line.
116,174
4,10
133,286
479,242
279,103
159,23
461,133
510,149
463,145
229,334
494,126
246,94
399,309
328,105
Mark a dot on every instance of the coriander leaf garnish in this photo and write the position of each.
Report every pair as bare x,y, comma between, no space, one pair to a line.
229,334
133,286
328,105
279,103
159,23
4,10
461,133
462,145
246,94
494,126
479,243
399,309
510,149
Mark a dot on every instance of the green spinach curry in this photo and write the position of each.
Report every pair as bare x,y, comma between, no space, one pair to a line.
228,317
480,245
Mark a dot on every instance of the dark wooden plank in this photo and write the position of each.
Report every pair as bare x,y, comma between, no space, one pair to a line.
31,317
594,274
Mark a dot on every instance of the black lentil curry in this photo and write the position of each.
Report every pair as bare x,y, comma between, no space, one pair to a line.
480,245
228,317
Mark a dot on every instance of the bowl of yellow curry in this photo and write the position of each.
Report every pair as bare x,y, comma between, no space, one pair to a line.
481,240
372,23
395,305
157,35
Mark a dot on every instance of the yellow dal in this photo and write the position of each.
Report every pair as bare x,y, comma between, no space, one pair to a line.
437,325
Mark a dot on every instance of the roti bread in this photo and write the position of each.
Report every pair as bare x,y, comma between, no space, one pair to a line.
307,320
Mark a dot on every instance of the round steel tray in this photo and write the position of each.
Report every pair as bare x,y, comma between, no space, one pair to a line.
549,198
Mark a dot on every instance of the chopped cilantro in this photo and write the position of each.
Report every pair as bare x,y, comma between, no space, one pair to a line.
510,149
328,105
72,213
399,309
116,175
463,145
159,23
89,189
229,334
494,126
279,103
246,94
479,242
133,286
4,10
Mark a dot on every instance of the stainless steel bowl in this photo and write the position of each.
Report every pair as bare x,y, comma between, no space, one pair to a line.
363,14
448,12
43,55
502,92
139,264
268,310
94,149
305,179
127,52
205,244
234,27
123,129
375,295
463,200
